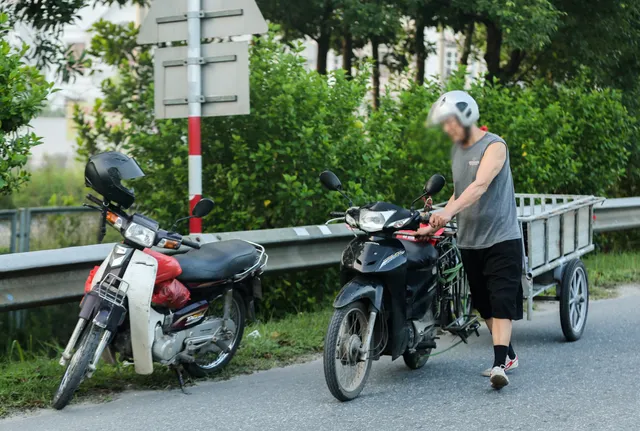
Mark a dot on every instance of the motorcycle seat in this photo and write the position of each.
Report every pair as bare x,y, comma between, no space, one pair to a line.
217,261
420,254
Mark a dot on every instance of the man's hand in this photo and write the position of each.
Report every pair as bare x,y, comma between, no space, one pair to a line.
424,232
440,219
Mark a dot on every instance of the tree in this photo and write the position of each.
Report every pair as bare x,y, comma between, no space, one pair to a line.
512,29
48,19
376,22
299,18
23,93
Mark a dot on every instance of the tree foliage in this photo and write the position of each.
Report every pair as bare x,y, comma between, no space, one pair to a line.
47,20
23,92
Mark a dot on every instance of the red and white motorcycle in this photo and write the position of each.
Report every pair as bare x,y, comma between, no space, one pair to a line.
182,310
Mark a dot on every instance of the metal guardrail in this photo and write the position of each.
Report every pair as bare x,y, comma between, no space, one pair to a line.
617,214
20,223
57,276
49,277
12,216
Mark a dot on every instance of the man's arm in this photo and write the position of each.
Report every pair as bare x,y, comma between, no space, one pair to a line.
451,201
490,166
430,230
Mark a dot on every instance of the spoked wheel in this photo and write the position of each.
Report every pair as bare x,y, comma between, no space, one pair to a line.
574,300
458,304
345,369
78,366
210,359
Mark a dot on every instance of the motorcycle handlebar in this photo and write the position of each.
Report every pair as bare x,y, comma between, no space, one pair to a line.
190,243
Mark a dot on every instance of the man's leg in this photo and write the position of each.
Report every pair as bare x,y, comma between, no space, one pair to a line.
473,261
503,269
501,334
512,354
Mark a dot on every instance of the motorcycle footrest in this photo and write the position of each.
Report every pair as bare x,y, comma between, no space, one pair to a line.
463,331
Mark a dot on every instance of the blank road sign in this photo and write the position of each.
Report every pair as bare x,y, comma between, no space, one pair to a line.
167,20
225,81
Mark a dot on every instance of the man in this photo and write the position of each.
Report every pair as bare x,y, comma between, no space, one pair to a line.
488,234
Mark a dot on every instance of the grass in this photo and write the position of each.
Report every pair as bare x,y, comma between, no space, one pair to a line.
608,270
28,381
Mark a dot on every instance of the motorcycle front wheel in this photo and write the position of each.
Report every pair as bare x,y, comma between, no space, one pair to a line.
345,370
77,368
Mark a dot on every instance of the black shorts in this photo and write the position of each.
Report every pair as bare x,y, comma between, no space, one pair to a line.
495,279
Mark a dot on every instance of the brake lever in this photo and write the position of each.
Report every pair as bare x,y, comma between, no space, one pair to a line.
328,222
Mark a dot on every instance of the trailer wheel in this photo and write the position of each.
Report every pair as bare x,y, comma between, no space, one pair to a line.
574,300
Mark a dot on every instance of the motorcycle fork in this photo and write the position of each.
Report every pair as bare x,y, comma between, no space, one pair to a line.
366,346
96,357
66,355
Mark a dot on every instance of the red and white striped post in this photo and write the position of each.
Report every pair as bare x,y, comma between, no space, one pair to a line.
194,73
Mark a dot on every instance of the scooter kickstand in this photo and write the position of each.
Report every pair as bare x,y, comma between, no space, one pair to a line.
180,379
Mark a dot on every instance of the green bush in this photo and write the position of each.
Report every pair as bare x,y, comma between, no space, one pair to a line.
56,183
262,169
23,93
569,138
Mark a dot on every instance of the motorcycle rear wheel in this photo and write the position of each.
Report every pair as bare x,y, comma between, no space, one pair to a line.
77,368
416,360
344,337
203,367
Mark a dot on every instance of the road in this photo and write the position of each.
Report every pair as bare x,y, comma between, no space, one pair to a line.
592,384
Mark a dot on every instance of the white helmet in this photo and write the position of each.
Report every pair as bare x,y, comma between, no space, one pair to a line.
454,103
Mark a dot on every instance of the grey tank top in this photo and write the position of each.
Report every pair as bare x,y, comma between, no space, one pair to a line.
493,218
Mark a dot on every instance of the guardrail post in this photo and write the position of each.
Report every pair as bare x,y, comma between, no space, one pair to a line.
15,234
24,230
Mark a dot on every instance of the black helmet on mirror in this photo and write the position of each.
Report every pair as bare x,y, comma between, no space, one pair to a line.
105,172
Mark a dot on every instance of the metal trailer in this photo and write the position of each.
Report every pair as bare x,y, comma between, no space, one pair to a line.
557,230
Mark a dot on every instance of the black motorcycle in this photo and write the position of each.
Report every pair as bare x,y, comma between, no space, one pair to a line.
398,289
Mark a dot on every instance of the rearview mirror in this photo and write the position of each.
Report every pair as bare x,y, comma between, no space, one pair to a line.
330,181
434,185
203,208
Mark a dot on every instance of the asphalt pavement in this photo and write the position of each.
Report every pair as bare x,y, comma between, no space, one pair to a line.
591,384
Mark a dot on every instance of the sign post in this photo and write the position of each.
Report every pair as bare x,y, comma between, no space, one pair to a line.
203,80
194,72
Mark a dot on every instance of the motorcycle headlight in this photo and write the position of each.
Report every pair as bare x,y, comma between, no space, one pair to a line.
374,221
140,235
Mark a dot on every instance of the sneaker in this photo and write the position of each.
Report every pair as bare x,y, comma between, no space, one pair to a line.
510,365
498,377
